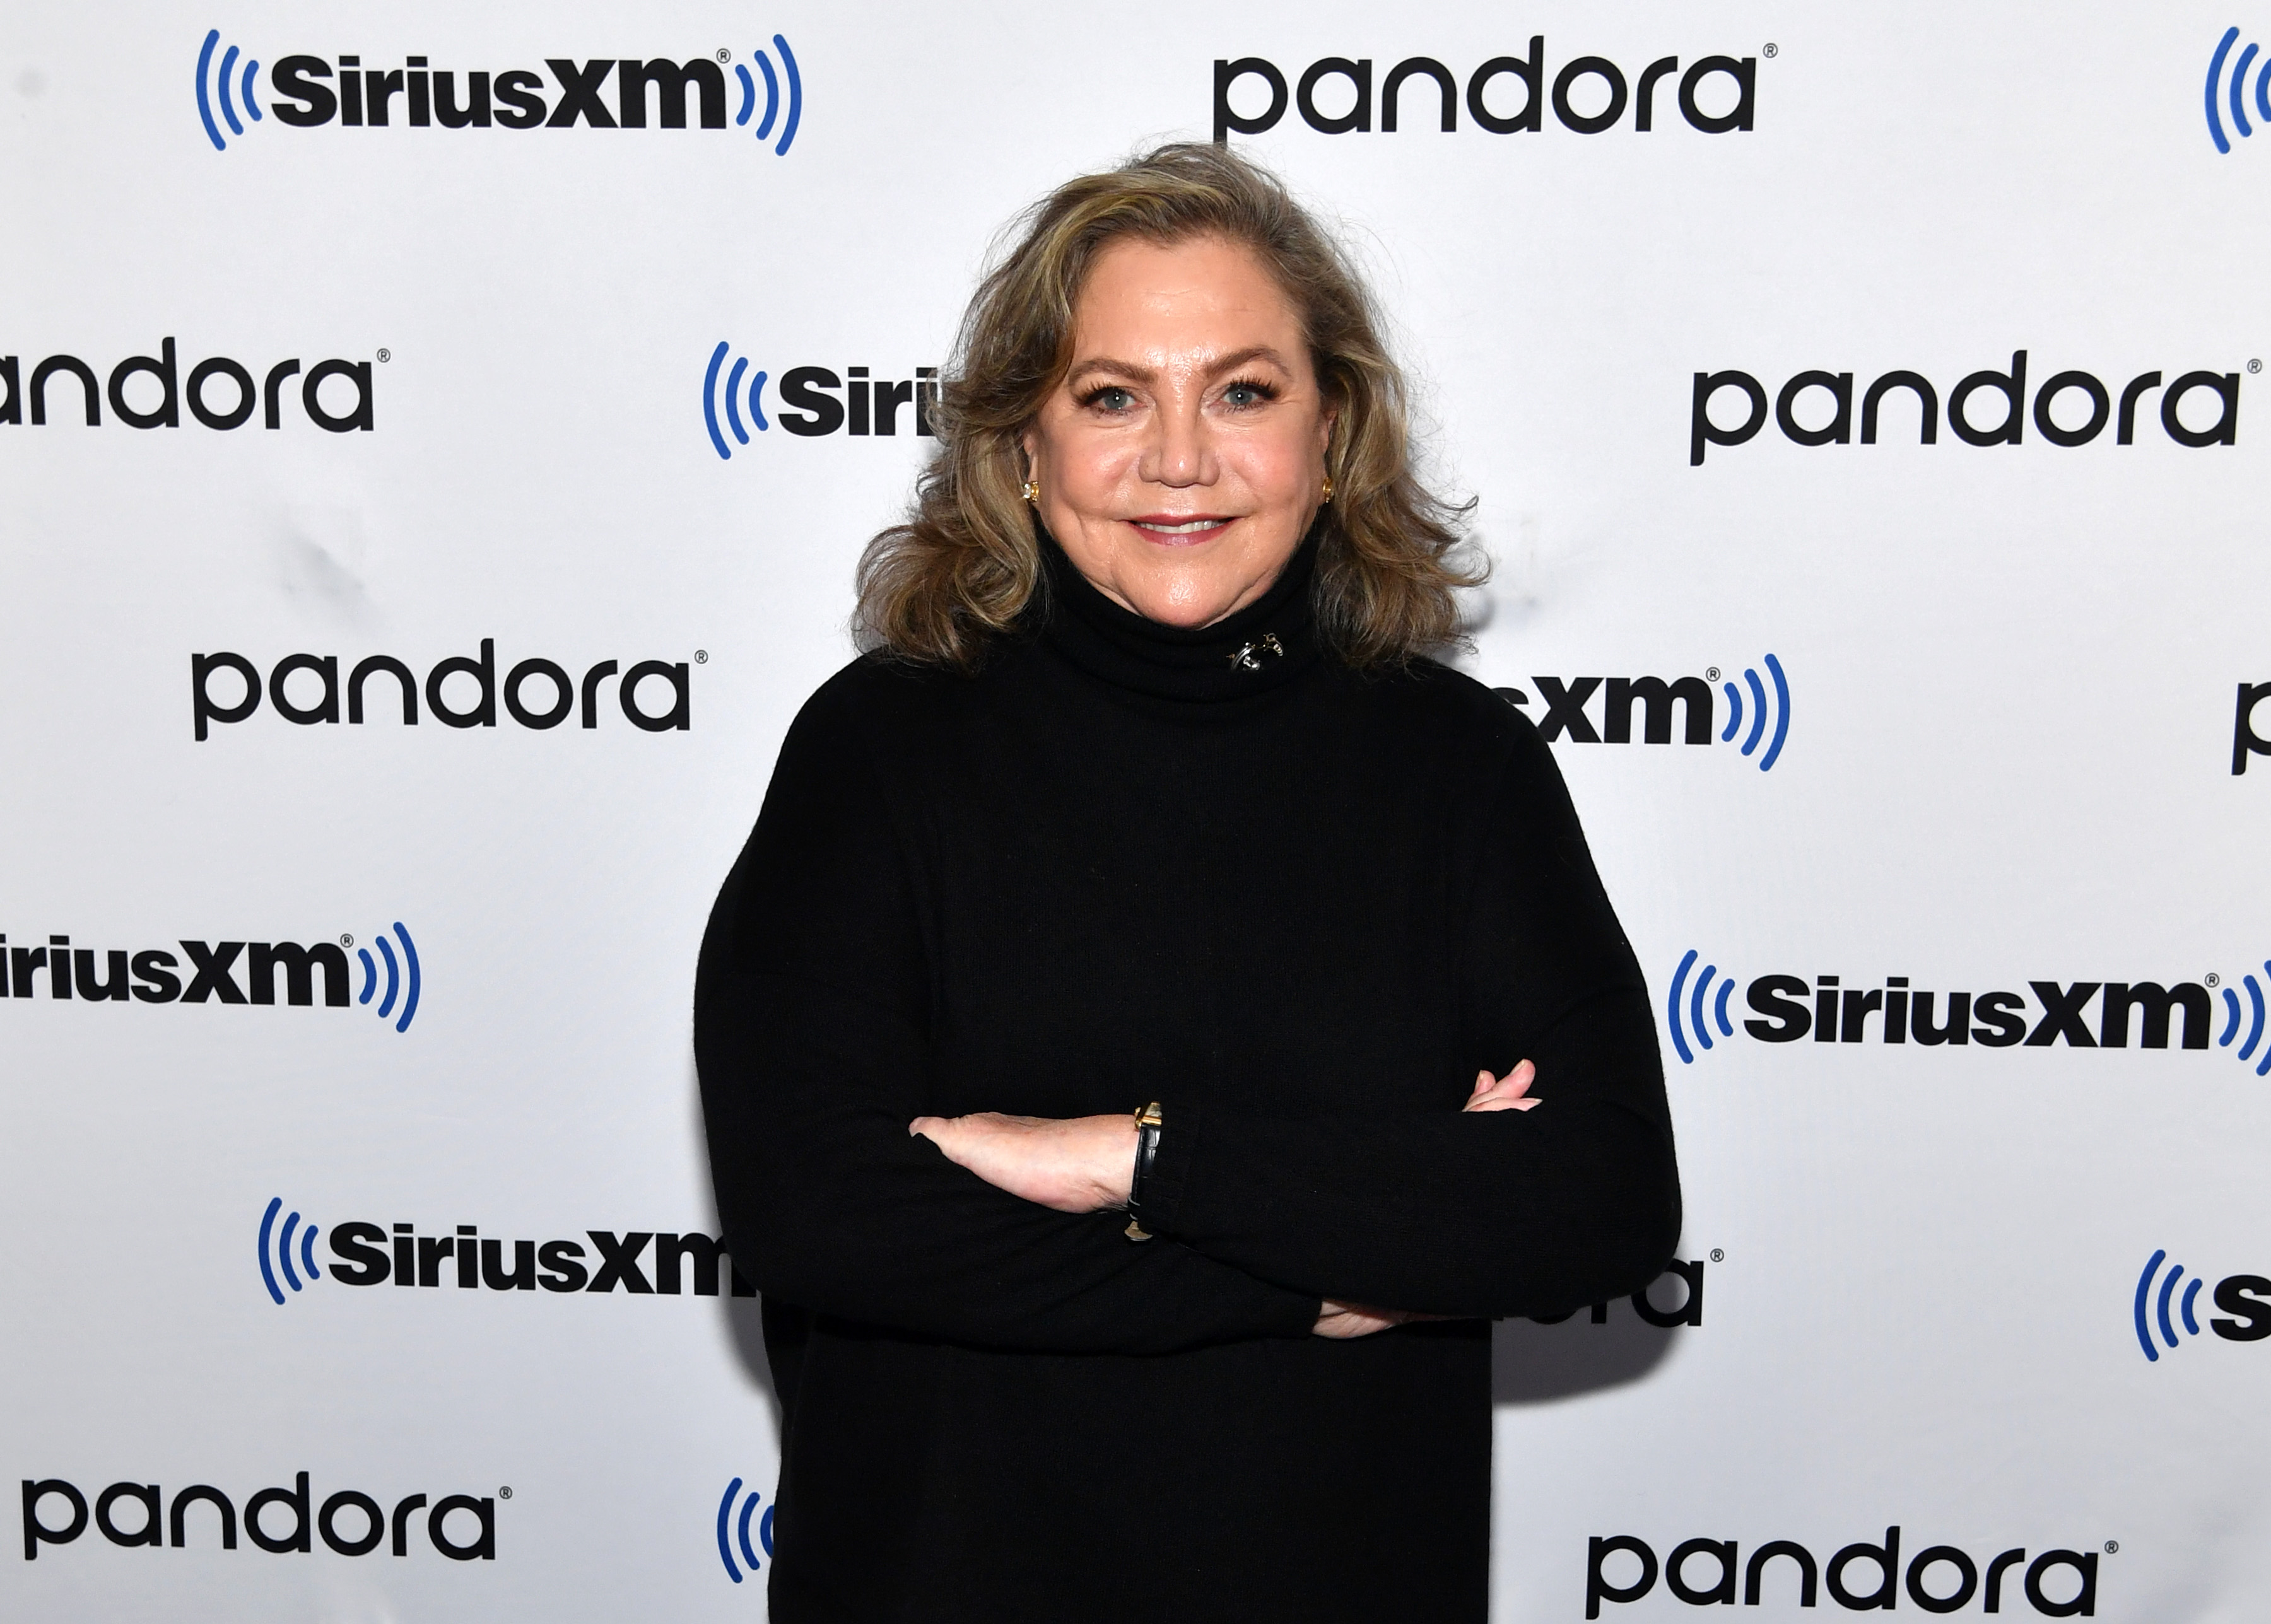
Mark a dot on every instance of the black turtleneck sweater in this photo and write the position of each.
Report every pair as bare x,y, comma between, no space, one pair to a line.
1301,908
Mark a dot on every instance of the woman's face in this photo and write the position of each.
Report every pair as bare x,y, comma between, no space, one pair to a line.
1182,457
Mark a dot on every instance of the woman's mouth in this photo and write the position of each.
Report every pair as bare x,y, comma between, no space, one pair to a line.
1173,532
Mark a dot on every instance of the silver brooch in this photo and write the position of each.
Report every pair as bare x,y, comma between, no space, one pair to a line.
1248,656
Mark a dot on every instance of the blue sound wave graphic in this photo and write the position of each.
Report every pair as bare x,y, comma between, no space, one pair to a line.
395,976
2233,95
2255,1021
730,395
2145,1296
740,1528
772,95
1760,713
216,85
278,1256
1692,1004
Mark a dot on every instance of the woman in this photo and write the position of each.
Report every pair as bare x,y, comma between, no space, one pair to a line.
1147,797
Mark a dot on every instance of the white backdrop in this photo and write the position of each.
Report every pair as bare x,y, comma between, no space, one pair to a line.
2004,750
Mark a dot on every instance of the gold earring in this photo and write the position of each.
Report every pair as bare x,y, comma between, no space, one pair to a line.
1032,492
1328,487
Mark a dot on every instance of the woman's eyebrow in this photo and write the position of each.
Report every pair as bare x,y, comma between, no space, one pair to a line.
1252,352
1136,374
1128,370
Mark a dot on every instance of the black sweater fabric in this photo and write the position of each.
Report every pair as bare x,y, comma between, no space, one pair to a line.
1301,906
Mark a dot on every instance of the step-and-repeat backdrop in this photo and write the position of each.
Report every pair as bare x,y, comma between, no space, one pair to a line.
434,443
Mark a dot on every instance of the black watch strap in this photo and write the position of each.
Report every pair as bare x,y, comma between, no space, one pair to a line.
1149,1123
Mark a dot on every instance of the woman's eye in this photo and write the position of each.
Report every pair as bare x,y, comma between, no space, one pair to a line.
1112,398
1244,395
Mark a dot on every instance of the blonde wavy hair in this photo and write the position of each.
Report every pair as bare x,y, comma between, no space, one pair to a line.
965,566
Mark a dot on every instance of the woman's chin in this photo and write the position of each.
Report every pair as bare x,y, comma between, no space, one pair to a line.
1188,585
1193,588
1184,604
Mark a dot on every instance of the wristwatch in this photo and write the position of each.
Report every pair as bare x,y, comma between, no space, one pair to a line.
1149,1121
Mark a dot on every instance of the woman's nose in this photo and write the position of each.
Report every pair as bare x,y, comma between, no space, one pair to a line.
1179,455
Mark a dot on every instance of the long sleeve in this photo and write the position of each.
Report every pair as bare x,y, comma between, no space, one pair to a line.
812,1008
1297,903
1497,1213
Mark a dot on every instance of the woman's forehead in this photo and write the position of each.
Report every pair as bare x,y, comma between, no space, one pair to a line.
1143,299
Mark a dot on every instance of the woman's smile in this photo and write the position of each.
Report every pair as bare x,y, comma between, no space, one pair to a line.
1170,532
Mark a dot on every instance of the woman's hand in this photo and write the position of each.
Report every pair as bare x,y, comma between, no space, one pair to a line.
1071,1164
1342,1321
1503,1093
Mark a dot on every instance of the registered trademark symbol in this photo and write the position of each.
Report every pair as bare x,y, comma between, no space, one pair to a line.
505,1493
347,939
701,657
2212,979
386,355
2113,1547
1772,49
1717,1256
2255,364
724,55
1711,673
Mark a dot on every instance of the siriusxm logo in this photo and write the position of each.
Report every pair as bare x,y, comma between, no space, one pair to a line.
2218,95
1953,1586
2242,1296
1696,1009
740,1529
1589,95
400,977
349,1521
808,402
1566,717
2058,397
230,405
215,84
305,93
478,691
2247,1050
276,1258
368,1254
149,977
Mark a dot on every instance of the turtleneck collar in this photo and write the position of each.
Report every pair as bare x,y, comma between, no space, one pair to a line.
1263,646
